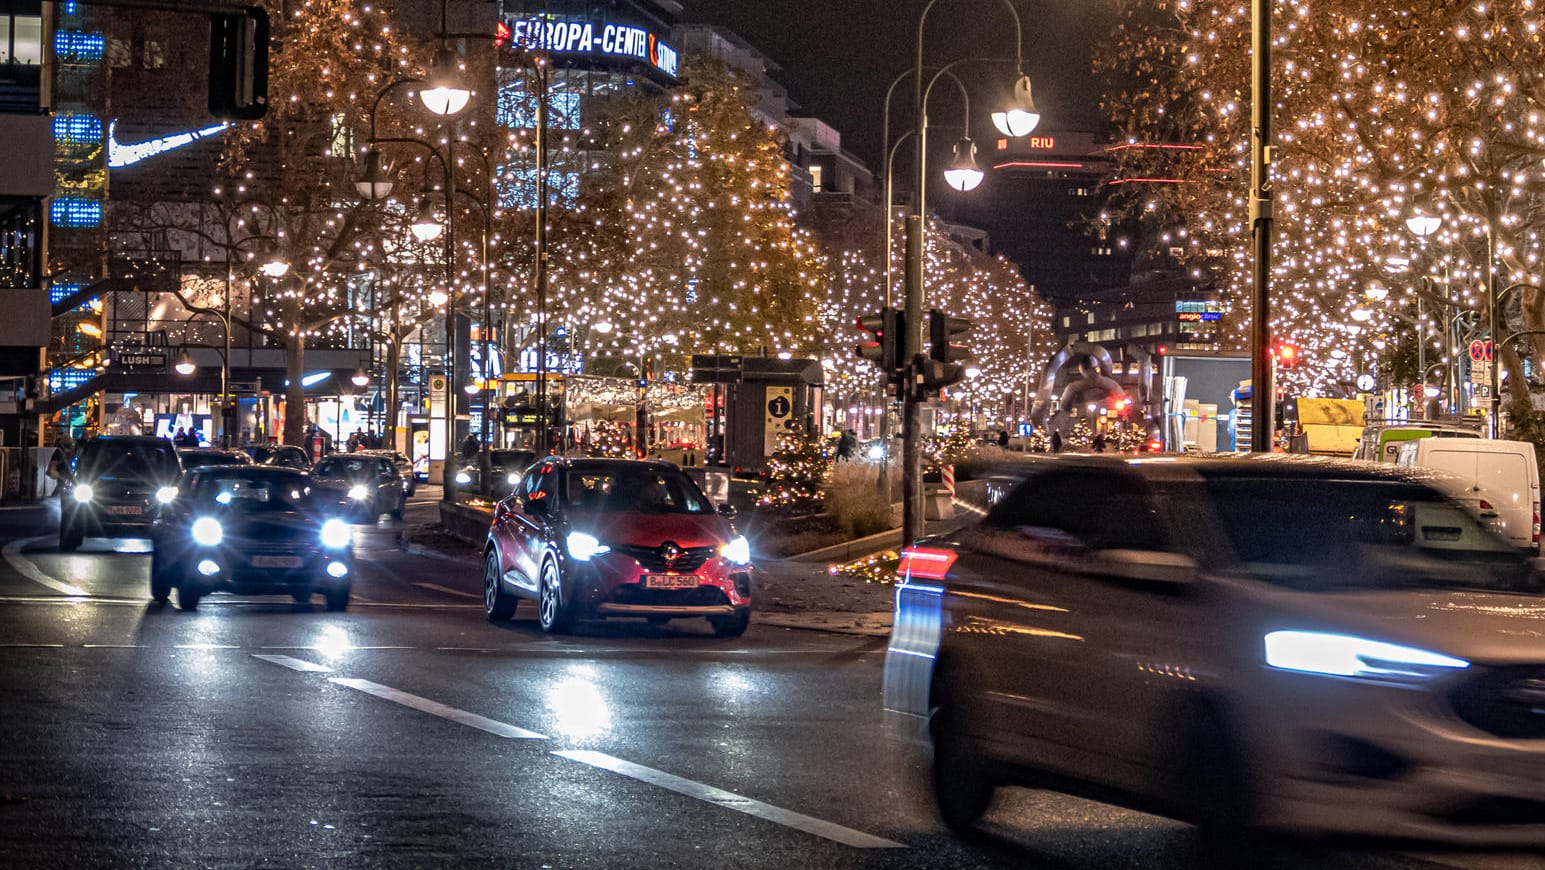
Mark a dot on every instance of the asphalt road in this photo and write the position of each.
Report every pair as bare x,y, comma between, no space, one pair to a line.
410,732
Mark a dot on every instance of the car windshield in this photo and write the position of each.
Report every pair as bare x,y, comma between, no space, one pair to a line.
1361,534
645,490
111,460
353,466
254,490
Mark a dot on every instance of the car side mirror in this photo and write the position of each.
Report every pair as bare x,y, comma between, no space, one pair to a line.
1146,566
727,511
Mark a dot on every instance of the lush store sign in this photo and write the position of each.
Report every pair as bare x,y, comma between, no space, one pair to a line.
589,38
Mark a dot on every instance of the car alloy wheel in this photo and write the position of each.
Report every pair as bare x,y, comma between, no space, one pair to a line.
499,604
553,612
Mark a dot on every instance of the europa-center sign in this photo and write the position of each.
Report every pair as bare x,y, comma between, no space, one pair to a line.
595,38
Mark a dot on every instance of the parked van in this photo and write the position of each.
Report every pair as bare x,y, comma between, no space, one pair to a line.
1381,442
1497,480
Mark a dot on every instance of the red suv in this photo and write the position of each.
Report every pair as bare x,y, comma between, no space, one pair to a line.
611,537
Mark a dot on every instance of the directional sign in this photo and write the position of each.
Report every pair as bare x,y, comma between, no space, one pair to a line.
1480,351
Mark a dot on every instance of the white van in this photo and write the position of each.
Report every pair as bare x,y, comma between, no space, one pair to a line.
1497,480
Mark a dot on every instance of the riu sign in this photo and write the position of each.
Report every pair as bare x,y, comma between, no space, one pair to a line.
589,37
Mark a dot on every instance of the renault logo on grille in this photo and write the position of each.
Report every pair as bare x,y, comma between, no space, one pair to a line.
670,552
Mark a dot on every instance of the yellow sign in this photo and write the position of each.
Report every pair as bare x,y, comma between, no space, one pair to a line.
779,409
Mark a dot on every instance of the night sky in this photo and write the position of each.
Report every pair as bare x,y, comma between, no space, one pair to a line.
838,57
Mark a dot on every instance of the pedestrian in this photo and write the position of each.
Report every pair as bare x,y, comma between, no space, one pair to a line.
1098,443
1003,437
352,445
181,438
845,444
1056,441
59,463
469,447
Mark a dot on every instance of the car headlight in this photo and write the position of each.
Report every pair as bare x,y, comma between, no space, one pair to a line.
738,550
463,478
359,492
1343,655
513,478
207,531
83,492
335,534
584,547
166,494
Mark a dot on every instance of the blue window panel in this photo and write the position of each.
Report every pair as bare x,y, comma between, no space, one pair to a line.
73,211
77,128
57,292
79,46
516,187
516,107
68,379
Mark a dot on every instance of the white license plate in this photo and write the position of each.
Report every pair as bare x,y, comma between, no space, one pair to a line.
277,561
670,581
128,510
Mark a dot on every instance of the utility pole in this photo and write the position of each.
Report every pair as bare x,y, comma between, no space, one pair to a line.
1262,390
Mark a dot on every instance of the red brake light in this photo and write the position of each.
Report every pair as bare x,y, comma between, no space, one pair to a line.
926,563
1536,527
1486,505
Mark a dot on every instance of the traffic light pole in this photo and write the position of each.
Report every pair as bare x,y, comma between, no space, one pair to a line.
911,416
1262,391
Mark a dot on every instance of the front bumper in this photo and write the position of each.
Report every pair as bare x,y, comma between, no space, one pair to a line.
244,572
123,518
1332,756
614,585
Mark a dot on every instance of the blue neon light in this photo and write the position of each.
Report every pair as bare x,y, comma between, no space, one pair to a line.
60,380
74,211
77,128
79,46
314,378
57,292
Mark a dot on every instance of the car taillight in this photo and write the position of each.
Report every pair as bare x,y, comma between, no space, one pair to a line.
1486,505
926,563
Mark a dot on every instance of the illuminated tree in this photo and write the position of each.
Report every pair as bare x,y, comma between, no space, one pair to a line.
1380,110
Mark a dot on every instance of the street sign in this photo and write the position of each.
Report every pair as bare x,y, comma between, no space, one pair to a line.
1480,351
142,360
437,388
1480,374
242,387
780,411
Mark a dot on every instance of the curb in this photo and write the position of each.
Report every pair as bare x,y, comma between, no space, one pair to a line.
861,624
849,550
421,550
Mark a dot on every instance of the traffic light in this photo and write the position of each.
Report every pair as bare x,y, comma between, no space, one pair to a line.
1286,355
944,353
883,347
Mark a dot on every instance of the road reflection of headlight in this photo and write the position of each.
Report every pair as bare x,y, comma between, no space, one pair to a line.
335,534
83,492
166,494
207,532
359,492
579,706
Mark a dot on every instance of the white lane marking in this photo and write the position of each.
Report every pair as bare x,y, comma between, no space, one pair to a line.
29,569
730,800
205,646
295,664
448,591
31,646
435,708
112,646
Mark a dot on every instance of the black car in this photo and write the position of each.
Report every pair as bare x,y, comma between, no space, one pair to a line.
363,486
198,457
506,467
118,486
282,455
252,530
404,467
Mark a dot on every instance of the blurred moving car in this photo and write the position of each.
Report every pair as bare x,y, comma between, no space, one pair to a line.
404,467
198,457
363,487
1277,643
282,455
252,530
616,537
506,467
118,485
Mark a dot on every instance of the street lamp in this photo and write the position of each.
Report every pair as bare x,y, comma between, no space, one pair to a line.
185,365
445,93
1376,291
427,227
360,379
1021,118
963,174
1422,224
375,183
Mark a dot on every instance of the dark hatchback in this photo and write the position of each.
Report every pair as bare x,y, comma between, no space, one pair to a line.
505,467
594,538
118,486
362,486
252,530
283,455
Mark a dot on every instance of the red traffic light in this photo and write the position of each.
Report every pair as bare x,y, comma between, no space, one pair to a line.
1285,354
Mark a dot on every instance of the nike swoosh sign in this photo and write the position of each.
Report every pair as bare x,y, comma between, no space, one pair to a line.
120,155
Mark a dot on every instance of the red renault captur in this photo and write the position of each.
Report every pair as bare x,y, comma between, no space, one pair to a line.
591,538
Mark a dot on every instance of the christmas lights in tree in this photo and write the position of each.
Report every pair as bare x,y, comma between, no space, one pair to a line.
797,474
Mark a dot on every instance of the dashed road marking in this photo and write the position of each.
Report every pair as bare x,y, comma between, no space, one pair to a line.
448,591
29,569
295,664
730,800
435,708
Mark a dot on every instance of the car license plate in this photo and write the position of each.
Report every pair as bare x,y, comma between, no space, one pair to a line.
128,510
670,581
276,561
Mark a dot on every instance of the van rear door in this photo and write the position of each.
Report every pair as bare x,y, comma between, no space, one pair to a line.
1499,486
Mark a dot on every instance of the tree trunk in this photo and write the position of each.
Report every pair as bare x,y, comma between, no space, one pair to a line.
295,393
393,363
1519,404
